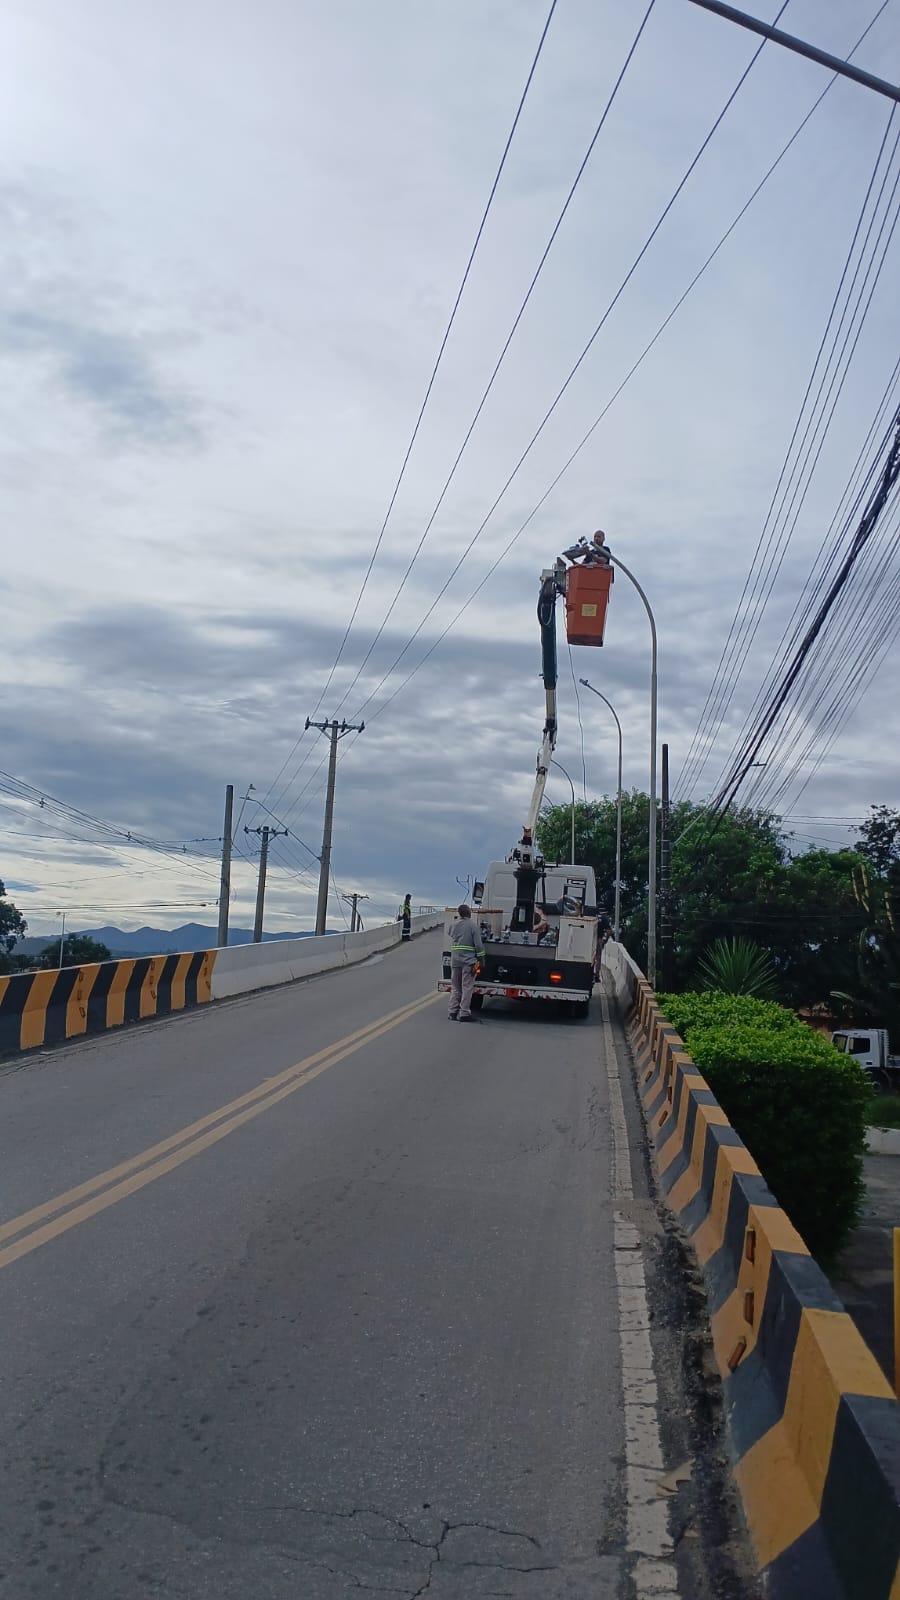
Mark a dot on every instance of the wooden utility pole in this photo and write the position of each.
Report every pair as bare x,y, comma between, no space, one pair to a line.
225,880
355,918
267,833
335,731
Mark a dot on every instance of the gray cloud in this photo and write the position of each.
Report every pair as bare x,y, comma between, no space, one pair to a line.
109,371
266,274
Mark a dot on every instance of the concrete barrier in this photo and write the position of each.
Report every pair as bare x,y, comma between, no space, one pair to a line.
247,967
44,1008
813,1426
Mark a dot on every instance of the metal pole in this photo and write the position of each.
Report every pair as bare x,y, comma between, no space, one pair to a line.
62,939
555,763
618,901
651,830
801,48
261,888
665,874
325,859
225,880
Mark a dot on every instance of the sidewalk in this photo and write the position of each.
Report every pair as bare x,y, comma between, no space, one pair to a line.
864,1273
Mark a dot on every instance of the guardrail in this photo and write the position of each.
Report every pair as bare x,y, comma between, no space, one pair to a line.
38,1009
813,1426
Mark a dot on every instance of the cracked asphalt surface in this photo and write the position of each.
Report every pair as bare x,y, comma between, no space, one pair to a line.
367,1342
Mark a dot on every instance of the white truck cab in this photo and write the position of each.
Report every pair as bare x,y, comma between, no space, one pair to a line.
870,1048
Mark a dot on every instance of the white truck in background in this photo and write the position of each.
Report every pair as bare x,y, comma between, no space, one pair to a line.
870,1049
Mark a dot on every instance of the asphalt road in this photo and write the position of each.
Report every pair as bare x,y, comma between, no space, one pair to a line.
311,1294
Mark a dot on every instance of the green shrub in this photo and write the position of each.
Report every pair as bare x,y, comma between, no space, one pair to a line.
710,1009
801,1108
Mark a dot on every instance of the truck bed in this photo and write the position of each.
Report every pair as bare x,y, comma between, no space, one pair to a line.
514,972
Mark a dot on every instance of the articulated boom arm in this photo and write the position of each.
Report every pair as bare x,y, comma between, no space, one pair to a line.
553,583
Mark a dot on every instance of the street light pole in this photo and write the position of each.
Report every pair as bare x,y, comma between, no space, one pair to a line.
651,835
618,906
801,47
555,763
62,939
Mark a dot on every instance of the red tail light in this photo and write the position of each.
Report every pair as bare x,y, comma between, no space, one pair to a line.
556,977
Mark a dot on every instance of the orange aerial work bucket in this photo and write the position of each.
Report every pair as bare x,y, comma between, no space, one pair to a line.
587,597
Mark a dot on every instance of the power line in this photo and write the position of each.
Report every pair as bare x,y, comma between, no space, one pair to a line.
502,356
430,385
814,587
876,504
573,371
853,669
18,788
602,414
763,567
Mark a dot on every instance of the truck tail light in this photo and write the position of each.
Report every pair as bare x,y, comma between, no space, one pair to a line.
556,977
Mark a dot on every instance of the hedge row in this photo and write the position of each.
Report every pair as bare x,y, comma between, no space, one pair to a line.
799,1105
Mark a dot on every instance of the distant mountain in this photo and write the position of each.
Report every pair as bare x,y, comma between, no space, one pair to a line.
158,941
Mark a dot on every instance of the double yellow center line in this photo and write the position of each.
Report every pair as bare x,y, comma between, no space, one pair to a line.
54,1217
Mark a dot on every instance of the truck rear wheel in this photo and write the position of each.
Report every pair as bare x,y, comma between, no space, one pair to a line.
581,1008
477,1002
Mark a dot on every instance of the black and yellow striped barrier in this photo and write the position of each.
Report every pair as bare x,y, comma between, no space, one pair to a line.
813,1424
44,1008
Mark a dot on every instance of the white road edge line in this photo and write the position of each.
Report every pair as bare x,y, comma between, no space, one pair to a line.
655,1575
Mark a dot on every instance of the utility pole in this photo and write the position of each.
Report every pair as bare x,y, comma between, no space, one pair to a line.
267,834
665,875
62,939
335,731
353,902
225,880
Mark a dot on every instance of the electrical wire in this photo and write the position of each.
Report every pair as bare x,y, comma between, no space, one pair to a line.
875,507
611,401
430,385
18,788
503,352
778,528
852,671
859,485
574,369
481,404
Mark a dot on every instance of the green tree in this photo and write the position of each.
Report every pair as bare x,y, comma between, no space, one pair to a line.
727,876
879,839
815,925
79,950
12,928
732,876
595,846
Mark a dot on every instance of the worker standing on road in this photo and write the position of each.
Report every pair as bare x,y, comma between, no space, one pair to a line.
465,949
604,934
404,915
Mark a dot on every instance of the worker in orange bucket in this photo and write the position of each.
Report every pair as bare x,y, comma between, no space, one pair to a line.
594,554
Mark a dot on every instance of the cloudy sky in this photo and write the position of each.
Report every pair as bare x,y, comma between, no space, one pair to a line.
230,240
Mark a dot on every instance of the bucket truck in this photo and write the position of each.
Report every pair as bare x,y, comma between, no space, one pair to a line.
538,919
